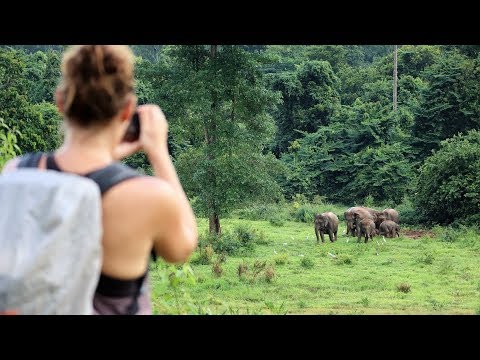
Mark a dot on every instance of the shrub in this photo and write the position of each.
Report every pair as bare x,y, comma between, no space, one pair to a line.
307,263
262,212
447,186
280,259
403,287
409,215
269,273
8,143
369,201
226,243
449,235
277,220
242,269
427,258
222,257
217,268
305,213
343,259
259,270
205,255
241,240
319,200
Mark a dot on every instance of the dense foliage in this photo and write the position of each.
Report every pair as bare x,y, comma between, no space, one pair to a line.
258,123
448,184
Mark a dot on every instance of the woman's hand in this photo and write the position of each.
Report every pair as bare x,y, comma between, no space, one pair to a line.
153,129
153,134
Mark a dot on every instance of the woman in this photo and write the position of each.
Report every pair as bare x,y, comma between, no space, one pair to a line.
97,101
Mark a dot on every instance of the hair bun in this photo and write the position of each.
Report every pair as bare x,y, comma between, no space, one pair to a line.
96,81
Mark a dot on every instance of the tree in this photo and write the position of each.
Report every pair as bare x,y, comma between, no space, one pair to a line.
8,143
38,123
448,188
395,78
450,103
225,127
309,100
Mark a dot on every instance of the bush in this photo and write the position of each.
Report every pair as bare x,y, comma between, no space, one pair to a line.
368,201
226,243
242,240
259,270
217,269
305,213
8,143
343,259
449,234
262,212
404,287
319,200
269,273
246,236
427,258
447,186
307,263
280,259
277,220
408,214
205,255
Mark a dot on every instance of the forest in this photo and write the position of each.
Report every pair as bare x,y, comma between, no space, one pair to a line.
274,133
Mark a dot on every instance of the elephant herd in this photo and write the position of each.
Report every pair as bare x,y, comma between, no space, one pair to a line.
360,221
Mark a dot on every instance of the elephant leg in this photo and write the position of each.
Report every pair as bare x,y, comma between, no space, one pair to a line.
321,235
316,234
330,235
335,233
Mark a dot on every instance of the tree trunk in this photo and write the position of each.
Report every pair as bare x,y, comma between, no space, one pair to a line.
210,135
214,224
395,78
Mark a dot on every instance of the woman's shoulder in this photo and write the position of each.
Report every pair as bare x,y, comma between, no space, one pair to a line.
136,187
10,165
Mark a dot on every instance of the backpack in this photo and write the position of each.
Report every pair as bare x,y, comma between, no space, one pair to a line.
50,236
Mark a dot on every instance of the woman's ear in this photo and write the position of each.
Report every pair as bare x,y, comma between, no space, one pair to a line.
129,108
59,100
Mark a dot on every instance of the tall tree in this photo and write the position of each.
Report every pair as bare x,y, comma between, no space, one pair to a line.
224,126
449,104
395,78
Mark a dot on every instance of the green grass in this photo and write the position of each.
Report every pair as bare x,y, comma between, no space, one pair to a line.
399,276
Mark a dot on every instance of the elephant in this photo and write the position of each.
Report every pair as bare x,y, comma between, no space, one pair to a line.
363,212
326,223
389,229
380,217
391,214
365,227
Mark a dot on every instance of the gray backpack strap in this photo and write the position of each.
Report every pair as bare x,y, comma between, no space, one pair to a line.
105,178
30,160
112,175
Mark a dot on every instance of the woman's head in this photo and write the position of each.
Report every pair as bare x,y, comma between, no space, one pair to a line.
97,84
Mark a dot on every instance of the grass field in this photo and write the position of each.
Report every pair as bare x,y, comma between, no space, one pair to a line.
427,275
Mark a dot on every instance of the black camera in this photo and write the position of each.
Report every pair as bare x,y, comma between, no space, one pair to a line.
133,131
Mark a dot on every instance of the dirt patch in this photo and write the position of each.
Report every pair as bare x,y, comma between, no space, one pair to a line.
416,234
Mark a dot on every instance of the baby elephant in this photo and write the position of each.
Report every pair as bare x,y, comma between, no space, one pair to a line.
326,223
389,229
365,227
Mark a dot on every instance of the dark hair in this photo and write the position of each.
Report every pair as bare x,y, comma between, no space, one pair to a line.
96,82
